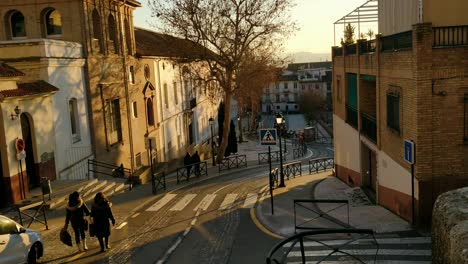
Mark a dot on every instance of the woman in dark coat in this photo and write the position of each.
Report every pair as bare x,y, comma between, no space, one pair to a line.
76,211
101,212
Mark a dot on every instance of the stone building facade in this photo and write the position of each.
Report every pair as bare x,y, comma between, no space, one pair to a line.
405,85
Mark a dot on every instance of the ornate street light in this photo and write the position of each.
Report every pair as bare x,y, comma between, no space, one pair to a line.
211,121
279,124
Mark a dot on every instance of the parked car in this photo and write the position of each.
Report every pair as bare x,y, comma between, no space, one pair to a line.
18,244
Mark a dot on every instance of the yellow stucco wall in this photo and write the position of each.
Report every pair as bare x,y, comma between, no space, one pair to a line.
346,151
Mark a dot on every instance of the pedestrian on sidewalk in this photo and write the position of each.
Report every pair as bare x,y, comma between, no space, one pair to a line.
101,213
187,163
196,162
76,212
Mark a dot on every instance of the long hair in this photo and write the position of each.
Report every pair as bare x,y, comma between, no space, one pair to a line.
74,198
100,197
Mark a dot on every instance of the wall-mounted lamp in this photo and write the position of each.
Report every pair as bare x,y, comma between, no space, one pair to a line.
17,112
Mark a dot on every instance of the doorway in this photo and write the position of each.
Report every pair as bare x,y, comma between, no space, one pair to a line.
369,172
26,129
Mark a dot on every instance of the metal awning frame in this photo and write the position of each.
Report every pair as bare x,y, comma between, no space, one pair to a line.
366,13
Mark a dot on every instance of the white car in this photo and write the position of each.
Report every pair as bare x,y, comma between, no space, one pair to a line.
18,244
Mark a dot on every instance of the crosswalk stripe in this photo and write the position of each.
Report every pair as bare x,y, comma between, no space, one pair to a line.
183,202
364,252
402,240
205,203
250,200
159,204
228,201
377,262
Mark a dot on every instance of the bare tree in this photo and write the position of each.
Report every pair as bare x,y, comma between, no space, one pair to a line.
311,103
230,29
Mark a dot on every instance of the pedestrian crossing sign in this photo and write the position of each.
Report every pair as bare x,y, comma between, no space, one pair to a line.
268,136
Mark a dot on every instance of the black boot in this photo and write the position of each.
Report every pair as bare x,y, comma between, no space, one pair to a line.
106,239
101,243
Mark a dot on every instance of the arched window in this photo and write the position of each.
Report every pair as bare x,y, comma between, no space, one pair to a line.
128,37
53,22
74,119
113,33
150,112
17,25
97,33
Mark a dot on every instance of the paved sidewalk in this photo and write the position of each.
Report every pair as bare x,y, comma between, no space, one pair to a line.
362,214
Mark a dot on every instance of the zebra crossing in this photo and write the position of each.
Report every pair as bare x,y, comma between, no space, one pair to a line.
229,201
404,250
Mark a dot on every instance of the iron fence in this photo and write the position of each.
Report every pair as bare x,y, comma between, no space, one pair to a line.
367,46
450,36
321,164
351,49
231,162
292,169
292,249
197,169
396,42
158,182
351,116
369,127
263,156
338,51
299,152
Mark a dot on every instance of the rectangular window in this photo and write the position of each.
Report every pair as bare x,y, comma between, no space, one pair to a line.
175,93
113,119
166,102
131,75
285,85
465,118
138,160
393,112
134,110
277,98
295,85
277,86
75,125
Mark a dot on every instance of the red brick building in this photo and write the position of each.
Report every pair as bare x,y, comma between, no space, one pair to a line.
409,83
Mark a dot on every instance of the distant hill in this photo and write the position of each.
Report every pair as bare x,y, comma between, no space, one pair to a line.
301,57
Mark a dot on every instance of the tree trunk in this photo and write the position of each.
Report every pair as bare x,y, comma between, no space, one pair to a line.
227,118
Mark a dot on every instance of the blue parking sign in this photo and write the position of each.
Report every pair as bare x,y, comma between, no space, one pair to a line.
409,151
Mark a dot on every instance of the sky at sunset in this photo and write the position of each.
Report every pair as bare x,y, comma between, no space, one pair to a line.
315,19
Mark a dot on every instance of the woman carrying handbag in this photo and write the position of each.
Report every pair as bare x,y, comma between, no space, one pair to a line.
101,213
76,212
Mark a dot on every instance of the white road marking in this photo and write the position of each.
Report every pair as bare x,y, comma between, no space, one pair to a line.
135,215
180,205
205,203
121,225
228,201
159,204
250,200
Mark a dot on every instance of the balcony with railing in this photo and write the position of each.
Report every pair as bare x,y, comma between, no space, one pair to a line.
451,36
369,126
351,49
367,46
397,42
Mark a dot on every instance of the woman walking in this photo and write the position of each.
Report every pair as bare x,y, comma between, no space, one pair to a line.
102,213
76,211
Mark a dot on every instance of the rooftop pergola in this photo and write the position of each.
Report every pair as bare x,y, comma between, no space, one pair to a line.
366,13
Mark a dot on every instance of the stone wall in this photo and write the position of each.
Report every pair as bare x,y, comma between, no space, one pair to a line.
450,227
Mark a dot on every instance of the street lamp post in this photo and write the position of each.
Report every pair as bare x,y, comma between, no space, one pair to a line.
279,123
212,142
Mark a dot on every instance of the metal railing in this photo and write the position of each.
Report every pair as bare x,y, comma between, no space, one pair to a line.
274,176
158,182
231,162
275,156
400,41
197,169
367,46
321,164
310,206
450,36
39,209
102,168
292,169
342,250
299,152
338,51
369,127
351,49
351,116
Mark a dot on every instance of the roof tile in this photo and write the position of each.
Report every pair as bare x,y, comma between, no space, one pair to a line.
31,88
8,71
